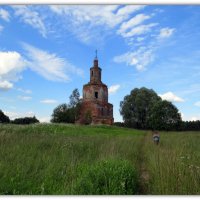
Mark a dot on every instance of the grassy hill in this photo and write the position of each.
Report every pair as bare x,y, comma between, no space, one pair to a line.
70,159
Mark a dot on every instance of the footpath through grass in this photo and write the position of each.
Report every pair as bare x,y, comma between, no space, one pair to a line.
69,159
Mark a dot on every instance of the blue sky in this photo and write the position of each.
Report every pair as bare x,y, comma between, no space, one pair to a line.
47,51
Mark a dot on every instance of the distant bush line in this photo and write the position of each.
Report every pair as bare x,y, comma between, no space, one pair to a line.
24,120
183,126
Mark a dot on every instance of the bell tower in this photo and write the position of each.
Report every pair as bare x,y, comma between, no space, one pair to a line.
95,99
95,72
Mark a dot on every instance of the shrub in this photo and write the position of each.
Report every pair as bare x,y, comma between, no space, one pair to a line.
25,120
4,118
108,177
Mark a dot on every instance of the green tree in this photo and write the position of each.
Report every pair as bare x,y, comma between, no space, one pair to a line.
164,116
68,113
135,108
4,118
75,103
63,113
74,98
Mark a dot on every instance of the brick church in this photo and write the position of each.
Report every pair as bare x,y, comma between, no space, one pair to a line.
95,108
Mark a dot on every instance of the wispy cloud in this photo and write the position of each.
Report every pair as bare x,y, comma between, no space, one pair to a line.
49,65
5,85
113,89
136,20
24,91
166,32
169,96
94,21
31,17
49,101
197,103
4,14
24,98
139,58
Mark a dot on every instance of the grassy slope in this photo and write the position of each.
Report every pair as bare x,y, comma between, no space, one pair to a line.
49,159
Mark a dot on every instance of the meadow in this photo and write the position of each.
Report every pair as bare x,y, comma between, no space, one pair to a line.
64,159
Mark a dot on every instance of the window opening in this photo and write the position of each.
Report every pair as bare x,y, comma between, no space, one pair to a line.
96,95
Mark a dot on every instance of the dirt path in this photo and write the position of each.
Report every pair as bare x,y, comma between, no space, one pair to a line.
144,175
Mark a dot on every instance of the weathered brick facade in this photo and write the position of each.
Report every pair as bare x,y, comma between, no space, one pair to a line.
95,108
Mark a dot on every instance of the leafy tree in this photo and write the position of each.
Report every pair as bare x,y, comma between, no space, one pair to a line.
74,98
164,116
68,113
75,103
25,120
63,113
135,108
4,118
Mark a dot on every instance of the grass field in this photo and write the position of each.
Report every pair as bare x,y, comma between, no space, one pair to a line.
69,159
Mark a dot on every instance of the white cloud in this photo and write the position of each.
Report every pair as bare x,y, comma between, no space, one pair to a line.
89,22
25,98
49,65
194,119
44,119
197,103
138,19
4,14
169,96
49,101
97,14
139,30
11,65
24,91
139,58
166,32
113,89
31,17
14,115
5,85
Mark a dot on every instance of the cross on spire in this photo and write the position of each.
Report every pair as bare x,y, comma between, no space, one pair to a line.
96,54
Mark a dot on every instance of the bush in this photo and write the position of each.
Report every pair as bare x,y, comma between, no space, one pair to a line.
4,118
120,124
109,177
25,120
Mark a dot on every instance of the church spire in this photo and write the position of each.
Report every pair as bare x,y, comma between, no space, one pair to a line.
95,71
96,55
96,60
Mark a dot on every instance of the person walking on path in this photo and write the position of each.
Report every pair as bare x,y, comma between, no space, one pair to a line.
156,137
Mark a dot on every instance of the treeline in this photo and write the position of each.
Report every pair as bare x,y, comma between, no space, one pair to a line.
183,126
141,109
24,120
144,109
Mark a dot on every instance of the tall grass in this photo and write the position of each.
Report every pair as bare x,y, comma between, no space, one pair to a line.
70,159
174,165
47,159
